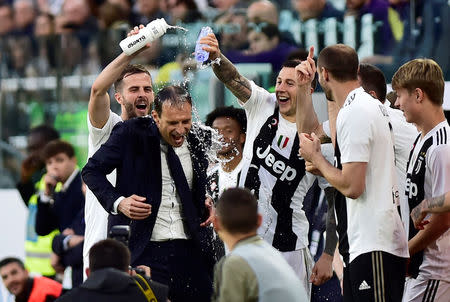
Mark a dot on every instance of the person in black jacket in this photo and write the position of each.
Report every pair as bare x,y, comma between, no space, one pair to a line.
109,279
61,206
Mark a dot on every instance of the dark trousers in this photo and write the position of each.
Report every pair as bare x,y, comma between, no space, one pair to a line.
178,264
375,276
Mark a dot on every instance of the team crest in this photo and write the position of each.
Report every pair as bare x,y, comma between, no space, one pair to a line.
282,141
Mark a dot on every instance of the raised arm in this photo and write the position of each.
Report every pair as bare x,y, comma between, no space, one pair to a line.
99,101
306,118
225,71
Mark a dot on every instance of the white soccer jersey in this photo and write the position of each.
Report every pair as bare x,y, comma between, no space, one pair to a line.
428,176
94,214
372,220
275,173
404,135
220,180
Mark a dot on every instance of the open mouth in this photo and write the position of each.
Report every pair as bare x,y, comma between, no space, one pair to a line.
142,107
178,140
283,99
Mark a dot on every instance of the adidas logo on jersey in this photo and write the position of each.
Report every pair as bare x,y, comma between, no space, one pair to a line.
277,166
364,285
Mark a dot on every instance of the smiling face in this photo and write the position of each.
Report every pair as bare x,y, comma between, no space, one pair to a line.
14,277
286,92
231,133
136,95
174,123
407,102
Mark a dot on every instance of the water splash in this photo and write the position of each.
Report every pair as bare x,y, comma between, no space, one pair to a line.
205,65
178,27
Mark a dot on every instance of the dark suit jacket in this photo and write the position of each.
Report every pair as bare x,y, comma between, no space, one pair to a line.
134,150
66,212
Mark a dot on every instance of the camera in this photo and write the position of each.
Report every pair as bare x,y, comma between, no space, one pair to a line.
120,233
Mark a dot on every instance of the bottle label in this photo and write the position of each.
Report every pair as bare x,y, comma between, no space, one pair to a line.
138,40
155,30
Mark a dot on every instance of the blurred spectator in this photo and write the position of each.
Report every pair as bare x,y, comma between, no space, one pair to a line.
113,16
384,37
233,34
7,23
266,11
20,50
263,11
182,11
264,47
24,13
316,9
225,5
33,166
76,18
45,25
46,41
26,288
148,10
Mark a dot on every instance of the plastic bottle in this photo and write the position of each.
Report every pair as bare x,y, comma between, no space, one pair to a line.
152,31
200,54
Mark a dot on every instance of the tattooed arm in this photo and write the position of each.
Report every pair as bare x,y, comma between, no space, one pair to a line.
225,71
438,204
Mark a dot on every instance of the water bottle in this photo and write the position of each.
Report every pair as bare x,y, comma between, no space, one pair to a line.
152,31
200,54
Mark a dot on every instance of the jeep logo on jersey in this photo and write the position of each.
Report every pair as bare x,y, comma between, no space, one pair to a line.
277,166
411,188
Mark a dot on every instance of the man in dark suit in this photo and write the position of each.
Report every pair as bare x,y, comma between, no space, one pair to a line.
161,167
61,207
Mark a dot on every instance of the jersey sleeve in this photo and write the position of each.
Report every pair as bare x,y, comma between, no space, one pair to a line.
258,101
353,134
328,153
439,165
98,136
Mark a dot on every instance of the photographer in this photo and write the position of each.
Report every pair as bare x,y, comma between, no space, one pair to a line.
109,278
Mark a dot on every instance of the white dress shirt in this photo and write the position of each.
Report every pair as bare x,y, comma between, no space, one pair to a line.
169,222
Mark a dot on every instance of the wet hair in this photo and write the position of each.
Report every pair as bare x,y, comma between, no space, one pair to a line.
373,79
341,61
237,209
237,114
293,61
9,260
55,147
424,74
129,70
109,253
175,95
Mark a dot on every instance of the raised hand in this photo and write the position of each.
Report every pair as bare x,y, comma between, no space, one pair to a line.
213,46
306,70
134,207
212,212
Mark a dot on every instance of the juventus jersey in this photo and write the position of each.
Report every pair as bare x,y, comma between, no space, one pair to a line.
370,222
428,175
273,171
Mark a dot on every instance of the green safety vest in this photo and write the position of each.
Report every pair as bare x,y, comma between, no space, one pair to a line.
38,248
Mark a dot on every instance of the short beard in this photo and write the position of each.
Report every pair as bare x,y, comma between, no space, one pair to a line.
129,108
